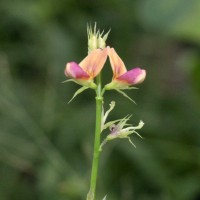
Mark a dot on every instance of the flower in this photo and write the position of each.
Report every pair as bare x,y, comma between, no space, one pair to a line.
122,78
118,131
84,72
121,130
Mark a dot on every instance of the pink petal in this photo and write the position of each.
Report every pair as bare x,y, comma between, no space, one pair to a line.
133,76
94,62
116,62
73,70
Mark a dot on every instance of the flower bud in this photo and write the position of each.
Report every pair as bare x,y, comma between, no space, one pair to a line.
101,43
96,39
92,43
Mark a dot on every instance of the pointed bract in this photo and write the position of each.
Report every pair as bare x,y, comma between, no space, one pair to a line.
80,90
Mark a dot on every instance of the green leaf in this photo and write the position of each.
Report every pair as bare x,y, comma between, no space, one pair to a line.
125,95
80,90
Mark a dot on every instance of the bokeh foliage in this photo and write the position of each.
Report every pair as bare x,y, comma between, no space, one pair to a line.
46,144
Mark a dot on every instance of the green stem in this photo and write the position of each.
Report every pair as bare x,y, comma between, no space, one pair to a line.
96,153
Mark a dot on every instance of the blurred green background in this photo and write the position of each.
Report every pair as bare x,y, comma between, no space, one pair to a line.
46,144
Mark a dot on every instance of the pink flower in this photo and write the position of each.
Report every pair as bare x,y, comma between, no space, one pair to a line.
85,72
122,78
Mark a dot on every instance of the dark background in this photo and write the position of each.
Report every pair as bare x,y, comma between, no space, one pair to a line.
46,144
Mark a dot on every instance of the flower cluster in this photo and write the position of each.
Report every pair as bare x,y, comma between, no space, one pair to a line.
85,72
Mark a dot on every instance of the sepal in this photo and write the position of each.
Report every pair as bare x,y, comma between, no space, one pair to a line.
89,83
125,95
80,90
115,86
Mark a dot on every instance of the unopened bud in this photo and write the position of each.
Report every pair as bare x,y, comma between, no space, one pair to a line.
101,43
92,43
96,39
